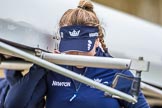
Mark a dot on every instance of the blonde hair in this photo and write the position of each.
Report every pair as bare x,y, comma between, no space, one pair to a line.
83,15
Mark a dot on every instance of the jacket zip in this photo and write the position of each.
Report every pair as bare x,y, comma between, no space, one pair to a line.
77,88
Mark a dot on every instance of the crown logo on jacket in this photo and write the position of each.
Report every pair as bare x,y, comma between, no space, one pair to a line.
98,80
74,33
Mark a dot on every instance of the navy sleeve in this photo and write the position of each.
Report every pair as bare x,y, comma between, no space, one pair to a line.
12,76
29,91
142,103
3,90
124,85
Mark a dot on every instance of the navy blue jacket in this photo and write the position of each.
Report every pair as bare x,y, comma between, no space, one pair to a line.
66,92
11,77
28,91
63,92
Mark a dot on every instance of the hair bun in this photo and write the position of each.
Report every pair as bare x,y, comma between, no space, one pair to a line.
86,4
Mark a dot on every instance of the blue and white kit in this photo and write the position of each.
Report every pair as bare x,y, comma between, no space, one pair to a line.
63,92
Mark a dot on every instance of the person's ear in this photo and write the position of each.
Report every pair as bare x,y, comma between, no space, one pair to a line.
97,42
